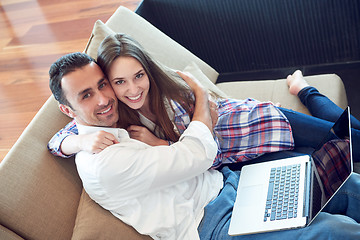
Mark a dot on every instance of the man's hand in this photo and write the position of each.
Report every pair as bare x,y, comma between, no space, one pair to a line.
144,135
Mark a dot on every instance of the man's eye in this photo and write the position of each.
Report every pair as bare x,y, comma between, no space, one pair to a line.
86,96
102,85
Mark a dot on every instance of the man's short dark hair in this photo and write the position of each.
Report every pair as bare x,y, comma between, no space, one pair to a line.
64,65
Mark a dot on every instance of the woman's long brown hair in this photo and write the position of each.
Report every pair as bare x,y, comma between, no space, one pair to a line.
164,83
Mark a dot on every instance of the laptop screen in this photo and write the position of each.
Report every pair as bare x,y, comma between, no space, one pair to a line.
332,162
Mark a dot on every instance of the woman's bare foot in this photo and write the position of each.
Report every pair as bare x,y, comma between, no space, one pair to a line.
296,82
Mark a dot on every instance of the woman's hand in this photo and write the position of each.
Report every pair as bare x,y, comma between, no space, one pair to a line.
193,83
92,143
202,110
144,135
214,113
96,142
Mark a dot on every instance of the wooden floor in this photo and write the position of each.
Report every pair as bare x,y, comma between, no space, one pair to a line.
33,34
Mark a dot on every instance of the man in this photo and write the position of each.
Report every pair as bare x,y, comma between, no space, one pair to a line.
166,192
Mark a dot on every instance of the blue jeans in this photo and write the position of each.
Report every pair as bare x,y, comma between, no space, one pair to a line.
339,220
308,131
322,107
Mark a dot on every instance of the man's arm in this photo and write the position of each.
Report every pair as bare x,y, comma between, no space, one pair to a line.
132,168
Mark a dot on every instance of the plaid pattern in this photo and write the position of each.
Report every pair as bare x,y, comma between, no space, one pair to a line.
56,140
333,164
245,130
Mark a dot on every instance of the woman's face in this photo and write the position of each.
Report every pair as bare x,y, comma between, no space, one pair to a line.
130,82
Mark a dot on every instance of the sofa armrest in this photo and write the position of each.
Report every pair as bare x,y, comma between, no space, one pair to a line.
277,91
39,193
7,234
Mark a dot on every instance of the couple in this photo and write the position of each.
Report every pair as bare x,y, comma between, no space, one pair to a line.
166,191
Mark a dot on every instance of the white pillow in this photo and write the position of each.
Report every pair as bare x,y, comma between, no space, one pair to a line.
99,32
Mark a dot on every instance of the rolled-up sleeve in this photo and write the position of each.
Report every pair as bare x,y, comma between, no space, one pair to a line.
55,142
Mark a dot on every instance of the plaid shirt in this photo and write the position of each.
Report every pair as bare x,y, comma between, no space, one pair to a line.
56,140
245,130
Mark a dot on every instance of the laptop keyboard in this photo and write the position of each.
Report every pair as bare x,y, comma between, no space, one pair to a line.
283,192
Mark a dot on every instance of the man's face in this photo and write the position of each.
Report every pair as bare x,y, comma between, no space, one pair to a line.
92,99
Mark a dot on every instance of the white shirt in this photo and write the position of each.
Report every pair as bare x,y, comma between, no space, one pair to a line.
160,191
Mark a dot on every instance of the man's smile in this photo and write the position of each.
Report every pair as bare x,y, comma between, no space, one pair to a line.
106,110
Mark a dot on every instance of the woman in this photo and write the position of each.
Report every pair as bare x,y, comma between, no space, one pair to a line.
152,96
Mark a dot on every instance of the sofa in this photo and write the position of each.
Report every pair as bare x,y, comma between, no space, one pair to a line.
41,196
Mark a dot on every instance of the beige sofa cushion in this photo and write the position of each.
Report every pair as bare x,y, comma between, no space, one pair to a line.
94,222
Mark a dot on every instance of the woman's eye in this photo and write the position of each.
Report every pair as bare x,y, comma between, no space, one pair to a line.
119,82
139,75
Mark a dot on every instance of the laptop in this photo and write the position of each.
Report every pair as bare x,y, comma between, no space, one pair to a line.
289,193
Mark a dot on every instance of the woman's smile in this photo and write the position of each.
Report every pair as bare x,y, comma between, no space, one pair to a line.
135,99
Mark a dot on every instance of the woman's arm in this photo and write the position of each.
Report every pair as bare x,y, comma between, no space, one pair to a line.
67,142
54,145
92,143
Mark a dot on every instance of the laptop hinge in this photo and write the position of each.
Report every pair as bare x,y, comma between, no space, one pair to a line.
307,189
